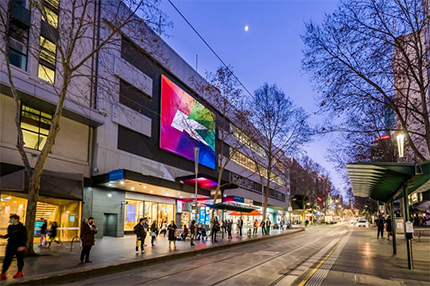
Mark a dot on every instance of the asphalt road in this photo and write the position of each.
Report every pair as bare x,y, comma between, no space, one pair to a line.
289,260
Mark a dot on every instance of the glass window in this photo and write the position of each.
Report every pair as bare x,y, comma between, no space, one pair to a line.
18,46
132,213
17,59
46,73
48,51
35,127
66,213
52,17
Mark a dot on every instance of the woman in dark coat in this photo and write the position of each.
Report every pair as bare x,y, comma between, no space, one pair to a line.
388,228
171,229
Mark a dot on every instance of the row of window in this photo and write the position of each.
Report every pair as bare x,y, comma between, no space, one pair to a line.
18,46
35,126
245,140
248,163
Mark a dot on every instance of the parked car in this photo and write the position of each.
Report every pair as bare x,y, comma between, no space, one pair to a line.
363,223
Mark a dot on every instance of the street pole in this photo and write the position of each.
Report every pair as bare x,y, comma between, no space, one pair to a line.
393,227
196,171
406,219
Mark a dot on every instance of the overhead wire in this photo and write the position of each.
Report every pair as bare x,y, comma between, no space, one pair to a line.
210,48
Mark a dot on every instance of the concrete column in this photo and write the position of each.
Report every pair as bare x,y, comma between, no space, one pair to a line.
405,219
393,227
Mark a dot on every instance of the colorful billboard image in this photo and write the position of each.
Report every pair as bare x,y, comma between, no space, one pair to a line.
185,124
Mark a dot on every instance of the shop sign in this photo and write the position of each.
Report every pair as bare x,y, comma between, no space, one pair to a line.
131,213
249,202
179,206
238,199
124,203
202,216
116,175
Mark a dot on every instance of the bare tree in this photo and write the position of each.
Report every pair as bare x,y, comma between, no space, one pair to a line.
281,129
373,53
72,37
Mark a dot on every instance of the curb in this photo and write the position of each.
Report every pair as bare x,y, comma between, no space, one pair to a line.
114,268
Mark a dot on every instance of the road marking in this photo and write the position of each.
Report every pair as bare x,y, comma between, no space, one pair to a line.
316,268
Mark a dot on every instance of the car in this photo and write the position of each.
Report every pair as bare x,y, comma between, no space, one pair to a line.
363,223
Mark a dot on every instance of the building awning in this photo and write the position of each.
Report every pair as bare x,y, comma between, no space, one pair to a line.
52,184
383,181
231,207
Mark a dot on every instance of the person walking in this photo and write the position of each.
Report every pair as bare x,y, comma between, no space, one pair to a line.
172,233
192,232
53,234
153,232
229,226
215,229
306,222
268,226
185,232
140,233
255,225
43,232
88,231
240,225
380,225
263,227
17,238
388,228
163,228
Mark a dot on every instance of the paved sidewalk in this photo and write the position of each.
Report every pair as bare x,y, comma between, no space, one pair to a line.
117,252
366,260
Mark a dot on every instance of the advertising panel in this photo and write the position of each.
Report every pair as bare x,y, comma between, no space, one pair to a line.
186,124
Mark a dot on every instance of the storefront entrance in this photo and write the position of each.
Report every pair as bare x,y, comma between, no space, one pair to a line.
110,225
66,213
153,211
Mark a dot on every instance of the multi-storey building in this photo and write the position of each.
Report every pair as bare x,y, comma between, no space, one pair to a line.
36,74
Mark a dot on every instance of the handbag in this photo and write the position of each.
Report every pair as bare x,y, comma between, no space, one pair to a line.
138,242
152,233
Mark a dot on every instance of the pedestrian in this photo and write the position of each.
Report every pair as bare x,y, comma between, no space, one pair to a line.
240,225
17,238
53,234
255,227
43,232
388,228
192,232
215,229
146,228
263,227
380,225
229,226
163,228
153,233
140,232
88,231
185,233
172,233
306,222
268,226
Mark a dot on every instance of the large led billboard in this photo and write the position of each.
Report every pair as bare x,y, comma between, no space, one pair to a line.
185,124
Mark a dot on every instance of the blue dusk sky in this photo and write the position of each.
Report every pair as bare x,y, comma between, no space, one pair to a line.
270,51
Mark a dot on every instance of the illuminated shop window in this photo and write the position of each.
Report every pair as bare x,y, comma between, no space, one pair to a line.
35,127
52,17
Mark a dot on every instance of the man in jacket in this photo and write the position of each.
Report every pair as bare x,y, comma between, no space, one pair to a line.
17,238
380,225
240,225
139,230
88,231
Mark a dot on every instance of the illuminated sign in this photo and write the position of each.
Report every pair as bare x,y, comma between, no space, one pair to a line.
318,198
131,213
202,215
186,124
382,137
179,206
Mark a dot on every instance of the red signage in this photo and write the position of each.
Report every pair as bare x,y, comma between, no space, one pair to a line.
383,137
318,198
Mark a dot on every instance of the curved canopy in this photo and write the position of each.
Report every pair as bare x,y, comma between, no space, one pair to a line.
383,181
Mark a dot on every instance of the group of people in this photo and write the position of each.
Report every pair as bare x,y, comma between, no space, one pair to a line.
264,224
142,228
380,223
51,233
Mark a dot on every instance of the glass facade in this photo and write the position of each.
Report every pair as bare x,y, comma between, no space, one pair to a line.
153,211
67,213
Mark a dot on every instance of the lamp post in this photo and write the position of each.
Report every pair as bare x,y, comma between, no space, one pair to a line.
196,170
401,145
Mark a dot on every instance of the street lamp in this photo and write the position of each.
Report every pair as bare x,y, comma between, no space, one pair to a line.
401,144
196,170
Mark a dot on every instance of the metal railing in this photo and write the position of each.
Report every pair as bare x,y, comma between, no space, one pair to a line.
73,239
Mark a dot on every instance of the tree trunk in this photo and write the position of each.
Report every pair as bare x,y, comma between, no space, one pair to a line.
30,216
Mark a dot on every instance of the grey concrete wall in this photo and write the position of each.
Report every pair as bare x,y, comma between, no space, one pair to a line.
102,204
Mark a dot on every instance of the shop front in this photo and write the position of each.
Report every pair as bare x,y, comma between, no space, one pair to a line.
153,208
60,201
